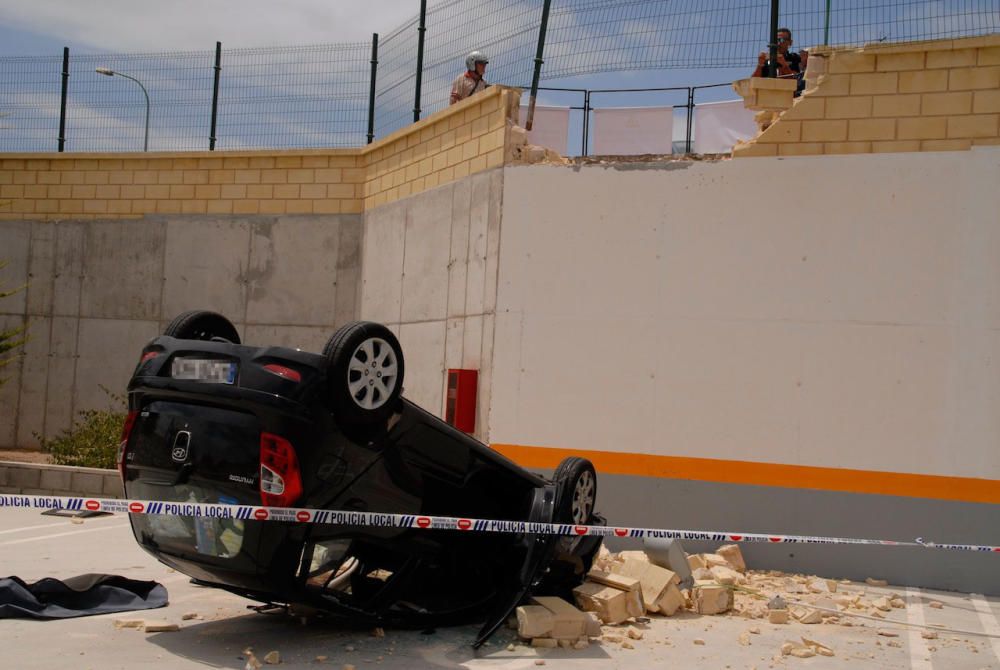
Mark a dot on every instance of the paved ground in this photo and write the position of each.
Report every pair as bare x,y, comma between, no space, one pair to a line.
34,546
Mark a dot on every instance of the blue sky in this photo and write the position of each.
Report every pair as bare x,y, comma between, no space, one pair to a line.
320,94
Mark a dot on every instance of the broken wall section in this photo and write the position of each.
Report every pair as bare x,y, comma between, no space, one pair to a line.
929,96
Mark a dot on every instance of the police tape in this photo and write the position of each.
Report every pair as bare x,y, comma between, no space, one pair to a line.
427,522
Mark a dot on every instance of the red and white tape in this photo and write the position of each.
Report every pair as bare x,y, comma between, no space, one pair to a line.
426,522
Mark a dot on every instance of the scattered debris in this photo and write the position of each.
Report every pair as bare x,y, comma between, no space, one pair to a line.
700,642
778,616
744,638
129,623
252,662
378,632
929,635
876,582
159,626
936,604
188,616
887,632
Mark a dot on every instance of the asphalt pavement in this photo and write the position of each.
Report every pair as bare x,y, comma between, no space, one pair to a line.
33,546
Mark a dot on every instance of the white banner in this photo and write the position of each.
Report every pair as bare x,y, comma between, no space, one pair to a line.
719,125
549,128
630,131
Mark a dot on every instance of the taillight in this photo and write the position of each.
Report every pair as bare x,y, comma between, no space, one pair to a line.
280,479
282,371
123,443
148,355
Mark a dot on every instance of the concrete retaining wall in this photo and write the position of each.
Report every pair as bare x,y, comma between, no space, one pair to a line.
60,480
98,290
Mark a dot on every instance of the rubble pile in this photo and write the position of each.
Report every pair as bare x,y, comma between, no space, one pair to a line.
623,589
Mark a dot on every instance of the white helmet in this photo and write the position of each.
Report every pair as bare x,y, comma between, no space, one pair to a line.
473,58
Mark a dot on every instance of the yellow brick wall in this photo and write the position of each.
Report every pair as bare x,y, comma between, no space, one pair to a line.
458,141
929,96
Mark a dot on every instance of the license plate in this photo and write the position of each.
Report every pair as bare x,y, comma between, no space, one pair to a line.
205,370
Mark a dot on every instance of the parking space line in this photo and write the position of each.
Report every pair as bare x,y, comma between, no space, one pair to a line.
989,621
54,535
919,653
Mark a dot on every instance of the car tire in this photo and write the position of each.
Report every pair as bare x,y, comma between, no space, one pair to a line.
202,325
578,492
365,372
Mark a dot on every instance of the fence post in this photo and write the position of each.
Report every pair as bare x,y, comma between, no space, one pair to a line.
586,122
826,25
420,57
371,89
215,95
62,104
690,120
538,64
772,71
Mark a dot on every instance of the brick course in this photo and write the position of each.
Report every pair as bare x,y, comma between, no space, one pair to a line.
458,141
929,96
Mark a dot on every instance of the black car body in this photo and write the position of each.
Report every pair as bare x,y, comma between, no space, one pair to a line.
215,421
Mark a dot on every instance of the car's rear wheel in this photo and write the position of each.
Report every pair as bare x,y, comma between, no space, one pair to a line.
202,325
365,372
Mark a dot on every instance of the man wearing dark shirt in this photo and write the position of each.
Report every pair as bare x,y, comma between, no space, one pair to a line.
790,64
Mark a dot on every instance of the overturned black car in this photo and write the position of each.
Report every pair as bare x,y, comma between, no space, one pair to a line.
214,421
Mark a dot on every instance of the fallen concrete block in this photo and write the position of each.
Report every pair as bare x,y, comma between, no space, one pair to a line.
882,604
777,616
696,561
635,603
671,601
567,621
129,623
715,559
611,605
733,556
545,643
533,621
159,626
592,624
802,652
653,580
712,599
725,575
811,617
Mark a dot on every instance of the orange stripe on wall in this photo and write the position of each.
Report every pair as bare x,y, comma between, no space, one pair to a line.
965,489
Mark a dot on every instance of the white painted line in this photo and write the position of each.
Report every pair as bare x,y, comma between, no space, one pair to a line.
989,621
920,655
54,535
51,525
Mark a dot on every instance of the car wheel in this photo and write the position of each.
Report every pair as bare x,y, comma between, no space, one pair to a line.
202,325
365,372
579,491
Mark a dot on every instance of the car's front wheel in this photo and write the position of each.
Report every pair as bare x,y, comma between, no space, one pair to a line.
202,325
365,372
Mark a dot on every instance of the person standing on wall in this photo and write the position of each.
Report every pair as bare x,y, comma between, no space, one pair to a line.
473,81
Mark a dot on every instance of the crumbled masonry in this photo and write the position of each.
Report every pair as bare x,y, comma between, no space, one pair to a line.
622,589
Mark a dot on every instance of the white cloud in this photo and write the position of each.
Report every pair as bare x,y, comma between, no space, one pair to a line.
169,25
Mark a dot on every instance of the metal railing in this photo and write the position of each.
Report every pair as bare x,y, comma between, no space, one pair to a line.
339,95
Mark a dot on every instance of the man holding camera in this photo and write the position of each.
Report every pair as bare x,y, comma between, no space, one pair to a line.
790,64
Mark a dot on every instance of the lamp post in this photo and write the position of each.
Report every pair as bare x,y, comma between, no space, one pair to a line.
108,72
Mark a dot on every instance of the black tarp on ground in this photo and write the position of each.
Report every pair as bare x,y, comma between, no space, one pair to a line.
83,595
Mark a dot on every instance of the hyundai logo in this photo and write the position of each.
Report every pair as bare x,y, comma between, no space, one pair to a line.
181,443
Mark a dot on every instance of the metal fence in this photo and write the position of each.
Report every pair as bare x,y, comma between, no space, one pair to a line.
319,95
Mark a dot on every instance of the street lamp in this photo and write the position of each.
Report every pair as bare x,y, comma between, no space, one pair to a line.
108,72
